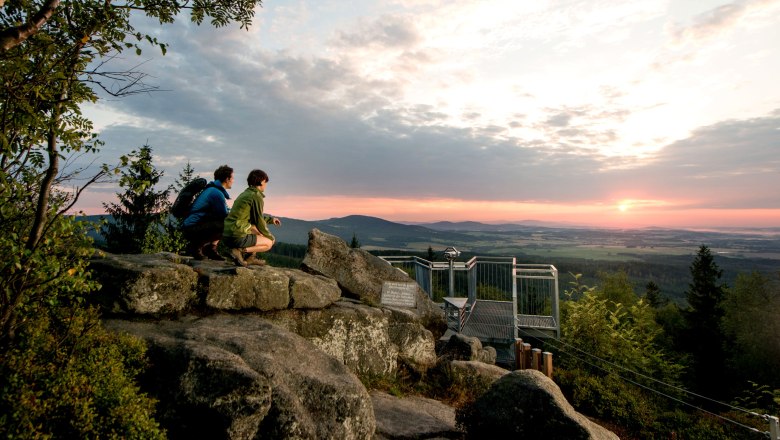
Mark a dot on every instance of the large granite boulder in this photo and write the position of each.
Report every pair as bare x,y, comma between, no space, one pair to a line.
263,288
169,284
467,348
527,404
463,381
362,275
144,284
413,417
241,377
368,340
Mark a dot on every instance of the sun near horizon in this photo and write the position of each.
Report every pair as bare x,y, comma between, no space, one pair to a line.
609,214
620,213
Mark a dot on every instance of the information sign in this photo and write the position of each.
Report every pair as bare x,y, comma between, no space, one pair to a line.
399,294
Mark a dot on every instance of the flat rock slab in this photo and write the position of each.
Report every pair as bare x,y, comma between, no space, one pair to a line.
412,418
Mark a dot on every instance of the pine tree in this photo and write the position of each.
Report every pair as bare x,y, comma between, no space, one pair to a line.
653,295
140,209
355,244
703,337
186,176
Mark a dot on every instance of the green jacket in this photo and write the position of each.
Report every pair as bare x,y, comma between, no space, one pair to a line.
247,210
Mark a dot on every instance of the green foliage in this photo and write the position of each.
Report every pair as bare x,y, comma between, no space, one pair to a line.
354,244
750,322
653,295
186,176
62,374
670,318
626,336
616,342
703,337
50,274
616,288
608,397
760,399
163,237
67,377
141,215
490,292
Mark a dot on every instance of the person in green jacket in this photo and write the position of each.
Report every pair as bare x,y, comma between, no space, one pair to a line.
246,227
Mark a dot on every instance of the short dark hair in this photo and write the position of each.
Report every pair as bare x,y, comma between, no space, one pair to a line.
256,177
223,173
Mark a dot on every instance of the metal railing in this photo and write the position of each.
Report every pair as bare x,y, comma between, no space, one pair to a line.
532,289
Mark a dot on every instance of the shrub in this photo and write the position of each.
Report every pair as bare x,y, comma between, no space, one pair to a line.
68,377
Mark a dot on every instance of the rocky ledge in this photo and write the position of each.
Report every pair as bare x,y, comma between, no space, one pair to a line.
264,352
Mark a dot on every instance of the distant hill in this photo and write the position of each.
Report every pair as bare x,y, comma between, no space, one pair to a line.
660,255
372,232
517,239
473,226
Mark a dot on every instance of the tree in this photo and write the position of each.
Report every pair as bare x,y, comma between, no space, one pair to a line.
603,341
703,337
53,56
750,320
141,207
616,287
48,48
354,244
653,295
431,254
186,176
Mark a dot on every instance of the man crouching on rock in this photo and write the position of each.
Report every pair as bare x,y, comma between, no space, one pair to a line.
246,227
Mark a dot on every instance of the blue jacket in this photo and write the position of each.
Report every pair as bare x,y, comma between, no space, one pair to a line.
210,205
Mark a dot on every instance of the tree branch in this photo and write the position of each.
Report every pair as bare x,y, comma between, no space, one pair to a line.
15,36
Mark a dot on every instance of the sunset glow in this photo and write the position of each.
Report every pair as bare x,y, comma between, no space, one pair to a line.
594,214
643,113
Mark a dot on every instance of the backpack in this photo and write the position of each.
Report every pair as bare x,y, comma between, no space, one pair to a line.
183,203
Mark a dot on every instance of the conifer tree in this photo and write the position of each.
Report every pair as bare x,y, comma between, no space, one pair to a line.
703,337
653,295
140,208
186,176
354,244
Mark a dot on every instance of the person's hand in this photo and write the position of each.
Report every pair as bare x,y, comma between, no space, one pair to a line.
276,221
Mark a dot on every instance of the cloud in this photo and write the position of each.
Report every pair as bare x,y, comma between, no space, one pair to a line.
710,23
385,32
730,164
386,107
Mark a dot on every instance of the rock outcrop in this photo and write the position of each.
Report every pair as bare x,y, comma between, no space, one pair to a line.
527,404
361,275
168,284
263,288
265,352
368,340
241,377
144,284
413,418
467,348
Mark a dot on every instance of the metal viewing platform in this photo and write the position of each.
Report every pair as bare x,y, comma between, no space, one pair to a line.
491,298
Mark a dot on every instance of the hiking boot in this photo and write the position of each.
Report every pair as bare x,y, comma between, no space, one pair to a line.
212,254
235,255
253,260
195,252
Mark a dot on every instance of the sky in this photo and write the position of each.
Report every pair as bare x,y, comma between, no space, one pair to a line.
635,113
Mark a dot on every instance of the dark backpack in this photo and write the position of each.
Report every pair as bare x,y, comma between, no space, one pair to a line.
183,203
